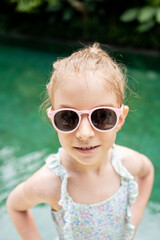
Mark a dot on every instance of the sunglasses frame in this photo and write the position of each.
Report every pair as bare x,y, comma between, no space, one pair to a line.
51,113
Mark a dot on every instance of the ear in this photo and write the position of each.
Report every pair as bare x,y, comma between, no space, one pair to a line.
122,117
47,110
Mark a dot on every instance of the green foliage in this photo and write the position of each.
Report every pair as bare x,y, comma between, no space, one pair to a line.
54,3
147,16
129,15
27,5
146,26
158,15
131,23
153,2
68,14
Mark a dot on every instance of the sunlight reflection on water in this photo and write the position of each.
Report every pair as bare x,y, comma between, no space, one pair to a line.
15,169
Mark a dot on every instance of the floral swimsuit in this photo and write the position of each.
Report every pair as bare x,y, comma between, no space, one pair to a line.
106,220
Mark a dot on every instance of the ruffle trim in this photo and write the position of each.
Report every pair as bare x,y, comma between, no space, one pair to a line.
53,163
128,179
67,206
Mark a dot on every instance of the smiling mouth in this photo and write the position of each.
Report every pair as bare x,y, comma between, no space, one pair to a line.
89,149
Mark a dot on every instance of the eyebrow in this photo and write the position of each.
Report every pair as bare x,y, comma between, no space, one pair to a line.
103,105
64,106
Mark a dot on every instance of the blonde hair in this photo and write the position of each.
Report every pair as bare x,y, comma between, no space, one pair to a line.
91,58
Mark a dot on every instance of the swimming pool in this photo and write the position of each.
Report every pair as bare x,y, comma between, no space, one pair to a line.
26,139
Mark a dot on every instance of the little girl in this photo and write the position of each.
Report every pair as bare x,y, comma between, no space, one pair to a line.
97,190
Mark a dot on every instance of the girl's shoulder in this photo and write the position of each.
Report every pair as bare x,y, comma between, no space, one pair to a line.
136,163
43,187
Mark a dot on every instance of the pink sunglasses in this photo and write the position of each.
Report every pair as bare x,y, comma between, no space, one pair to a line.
102,119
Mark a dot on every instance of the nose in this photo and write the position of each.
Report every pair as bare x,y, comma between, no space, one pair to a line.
85,130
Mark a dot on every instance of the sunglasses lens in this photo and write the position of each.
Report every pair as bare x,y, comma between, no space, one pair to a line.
66,120
104,119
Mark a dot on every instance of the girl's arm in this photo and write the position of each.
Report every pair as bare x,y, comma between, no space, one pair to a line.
144,178
37,189
18,209
140,167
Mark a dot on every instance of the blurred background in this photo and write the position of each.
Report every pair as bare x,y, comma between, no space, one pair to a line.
117,22
33,34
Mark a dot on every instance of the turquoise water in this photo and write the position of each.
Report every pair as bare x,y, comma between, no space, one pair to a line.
26,139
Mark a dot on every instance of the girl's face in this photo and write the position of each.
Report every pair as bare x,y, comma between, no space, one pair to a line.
86,145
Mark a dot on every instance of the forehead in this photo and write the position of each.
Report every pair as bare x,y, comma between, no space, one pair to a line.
83,92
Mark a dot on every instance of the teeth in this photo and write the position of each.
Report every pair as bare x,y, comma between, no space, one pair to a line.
87,148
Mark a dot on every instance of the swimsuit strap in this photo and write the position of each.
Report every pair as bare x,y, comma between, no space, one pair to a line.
54,164
118,166
132,187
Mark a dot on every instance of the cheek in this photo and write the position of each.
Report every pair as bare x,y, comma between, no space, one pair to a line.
61,138
109,138
64,139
